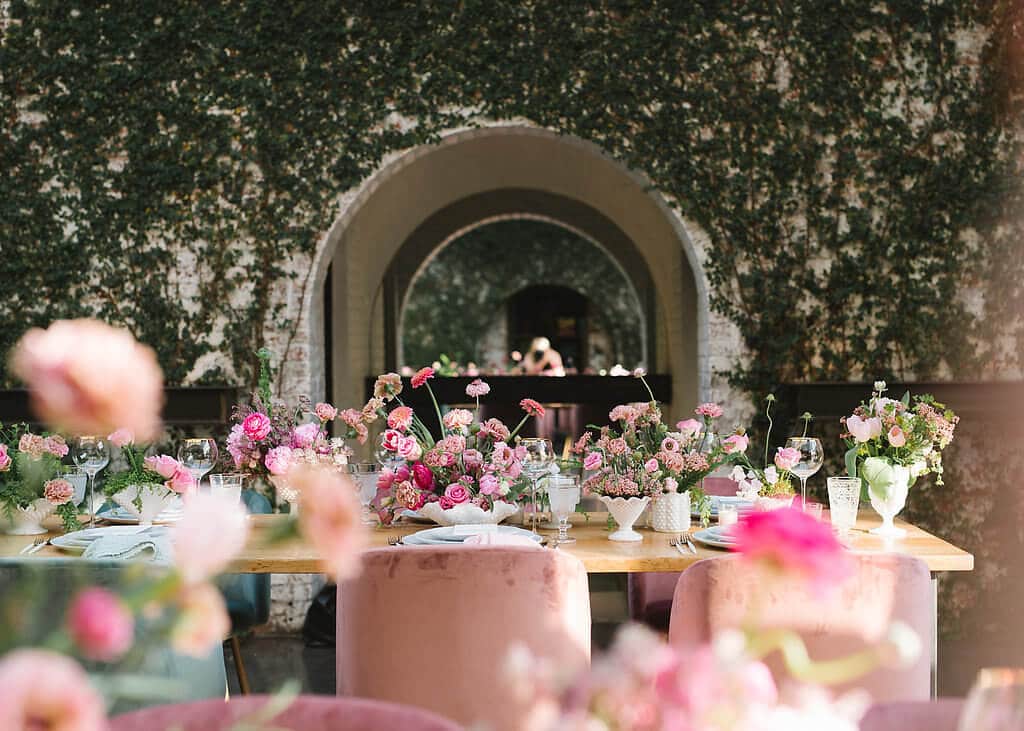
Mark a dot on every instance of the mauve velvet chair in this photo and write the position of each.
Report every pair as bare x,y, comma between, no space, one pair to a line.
941,714
650,593
432,626
305,713
721,593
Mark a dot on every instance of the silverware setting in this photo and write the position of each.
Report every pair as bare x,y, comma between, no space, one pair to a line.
681,542
394,540
686,537
36,545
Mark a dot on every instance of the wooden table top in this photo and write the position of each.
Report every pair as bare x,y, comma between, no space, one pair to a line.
592,546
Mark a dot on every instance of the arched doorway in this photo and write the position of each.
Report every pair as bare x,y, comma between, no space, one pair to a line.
525,171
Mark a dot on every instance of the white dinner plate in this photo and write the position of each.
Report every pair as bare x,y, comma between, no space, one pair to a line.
447,536
122,517
79,540
713,536
742,505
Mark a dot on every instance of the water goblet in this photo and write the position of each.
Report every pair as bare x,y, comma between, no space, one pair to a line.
365,476
843,501
812,456
198,455
539,456
563,497
91,454
227,485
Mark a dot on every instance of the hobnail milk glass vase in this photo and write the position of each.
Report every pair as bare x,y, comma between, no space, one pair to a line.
670,512
888,499
625,511
27,521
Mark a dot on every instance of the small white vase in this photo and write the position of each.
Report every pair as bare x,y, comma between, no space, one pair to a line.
670,512
467,513
27,521
888,499
625,511
152,500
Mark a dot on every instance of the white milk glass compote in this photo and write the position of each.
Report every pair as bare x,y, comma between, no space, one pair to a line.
198,455
563,497
539,456
812,457
91,454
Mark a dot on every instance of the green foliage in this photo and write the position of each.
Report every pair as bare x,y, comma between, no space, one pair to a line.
850,164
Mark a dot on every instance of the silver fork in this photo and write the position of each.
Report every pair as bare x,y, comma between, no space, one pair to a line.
686,537
36,545
675,543
394,540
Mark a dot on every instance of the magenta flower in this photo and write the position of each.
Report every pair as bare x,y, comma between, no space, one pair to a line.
422,476
390,440
5,458
100,625
256,426
422,376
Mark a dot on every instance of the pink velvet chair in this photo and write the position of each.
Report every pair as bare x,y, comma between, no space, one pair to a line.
306,713
432,626
941,714
650,594
721,593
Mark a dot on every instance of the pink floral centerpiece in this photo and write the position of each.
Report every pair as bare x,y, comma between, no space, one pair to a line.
769,487
31,486
472,474
149,485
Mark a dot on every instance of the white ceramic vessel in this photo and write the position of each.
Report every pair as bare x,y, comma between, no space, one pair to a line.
467,513
27,521
670,512
145,501
625,511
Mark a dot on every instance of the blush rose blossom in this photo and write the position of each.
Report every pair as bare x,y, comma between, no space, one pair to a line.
786,458
211,532
409,449
256,426
164,465
735,444
896,436
330,518
181,481
689,427
100,625
457,493
45,690
121,438
202,621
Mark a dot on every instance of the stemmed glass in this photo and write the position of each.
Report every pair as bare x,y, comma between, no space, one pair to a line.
812,457
91,454
563,496
365,476
198,455
387,458
539,456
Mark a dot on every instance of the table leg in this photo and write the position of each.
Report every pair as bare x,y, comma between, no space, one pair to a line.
934,647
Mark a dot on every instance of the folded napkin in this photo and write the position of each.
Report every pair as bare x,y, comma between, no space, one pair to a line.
500,539
124,547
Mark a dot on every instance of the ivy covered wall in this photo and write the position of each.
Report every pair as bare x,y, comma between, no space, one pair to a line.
852,165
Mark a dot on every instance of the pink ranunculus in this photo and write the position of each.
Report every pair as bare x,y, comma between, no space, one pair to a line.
5,458
786,458
121,438
489,485
86,377
100,624
409,449
181,481
391,439
256,426
593,461
45,691
304,436
457,493
477,388
651,465
689,427
472,459
58,492
794,542
325,412
896,436
422,476
164,465
709,410
56,446
422,376
330,518
202,622
736,444
400,418
864,430
446,502
458,419
211,532
278,460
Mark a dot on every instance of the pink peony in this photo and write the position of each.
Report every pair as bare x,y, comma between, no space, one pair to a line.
278,460
212,530
163,465
477,388
256,426
86,377
709,410
532,408
864,430
100,625
387,386
422,476
457,419
792,541
330,518
689,427
489,485
736,444
181,481
121,438
409,449
5,458
786,458
58,491
651,465
593,461
400,418
304,436
44,691
457,493
391,439
325,412
422,376
202,622
896,436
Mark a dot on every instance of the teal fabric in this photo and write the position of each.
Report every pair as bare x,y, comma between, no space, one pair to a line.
54,581
248,595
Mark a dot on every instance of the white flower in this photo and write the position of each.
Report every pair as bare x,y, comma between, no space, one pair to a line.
737,474
880,386
864,430
771,475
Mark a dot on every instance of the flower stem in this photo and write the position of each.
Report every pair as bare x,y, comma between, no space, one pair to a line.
437,408
519,426
649,391
768,436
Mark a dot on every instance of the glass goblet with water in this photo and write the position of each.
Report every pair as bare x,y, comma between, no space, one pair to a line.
91,454
563,497
198,455
843,501
537,461
812,457
365,476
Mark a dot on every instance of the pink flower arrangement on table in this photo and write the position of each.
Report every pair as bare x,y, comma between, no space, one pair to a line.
471,463
774,480
142,470
30,473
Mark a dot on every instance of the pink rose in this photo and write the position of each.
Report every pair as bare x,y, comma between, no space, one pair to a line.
256,426
400,418
58,492
409,449
5,458
278,460
211,532
325,412
86,377
651,465
304,436
330,518
181,481
163,465
390,440
44,690
489,485
100,625
422,476
472,459
446,502
202,621
457,493
896,436
737,443
689,427
593,461
864,430
121,438
786,458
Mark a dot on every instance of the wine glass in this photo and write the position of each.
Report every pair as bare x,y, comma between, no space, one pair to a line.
812,456
364,475
539,456
388,458
198,455
996,702
563,497
91,454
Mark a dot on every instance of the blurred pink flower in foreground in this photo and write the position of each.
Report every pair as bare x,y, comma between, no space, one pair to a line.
121,438
792,541
211,532
44,690
330,518
100,624
86,377
202,622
